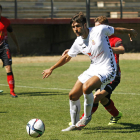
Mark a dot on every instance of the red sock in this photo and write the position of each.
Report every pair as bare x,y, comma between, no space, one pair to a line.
10,80
94,108
111,108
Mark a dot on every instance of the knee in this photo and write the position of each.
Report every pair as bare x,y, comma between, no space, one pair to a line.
104,101
8,69
71,97
74,97
86,89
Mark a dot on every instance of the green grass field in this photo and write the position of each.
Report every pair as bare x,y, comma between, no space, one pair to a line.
47,99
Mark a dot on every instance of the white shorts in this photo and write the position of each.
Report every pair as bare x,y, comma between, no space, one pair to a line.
104,76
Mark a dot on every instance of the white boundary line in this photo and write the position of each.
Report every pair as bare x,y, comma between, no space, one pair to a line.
36,87
62,89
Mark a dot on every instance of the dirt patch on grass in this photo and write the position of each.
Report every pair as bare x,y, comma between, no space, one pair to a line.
41,59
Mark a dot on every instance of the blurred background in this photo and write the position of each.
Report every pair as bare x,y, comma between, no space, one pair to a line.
42,26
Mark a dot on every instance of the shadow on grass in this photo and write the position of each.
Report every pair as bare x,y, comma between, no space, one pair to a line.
3,112
38,93
125,128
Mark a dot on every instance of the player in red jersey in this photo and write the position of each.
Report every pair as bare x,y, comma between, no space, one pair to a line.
5,54
104,96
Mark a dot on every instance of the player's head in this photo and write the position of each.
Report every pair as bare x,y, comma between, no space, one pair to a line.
79,18
78,23
101,20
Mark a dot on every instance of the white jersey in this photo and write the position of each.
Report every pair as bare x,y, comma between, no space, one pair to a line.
96,46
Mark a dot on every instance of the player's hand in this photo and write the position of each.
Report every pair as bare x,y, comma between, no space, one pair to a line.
132,34
46,73
65,52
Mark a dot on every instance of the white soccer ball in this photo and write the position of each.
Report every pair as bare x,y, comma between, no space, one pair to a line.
35,128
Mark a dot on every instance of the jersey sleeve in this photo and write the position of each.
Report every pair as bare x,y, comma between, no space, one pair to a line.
118,43
108,30
74,50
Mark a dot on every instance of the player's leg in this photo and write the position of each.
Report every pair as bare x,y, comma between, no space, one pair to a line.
75,107
109,104
10,80
0,58
91,84
98,95
110,107
7,62
99,80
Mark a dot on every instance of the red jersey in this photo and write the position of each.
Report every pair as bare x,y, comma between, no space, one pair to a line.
4,23
116,42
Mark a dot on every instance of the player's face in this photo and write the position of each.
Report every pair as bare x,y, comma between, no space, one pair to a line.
78,28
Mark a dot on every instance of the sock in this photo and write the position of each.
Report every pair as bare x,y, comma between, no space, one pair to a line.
111,108
88,103
75,108
10,80
94,108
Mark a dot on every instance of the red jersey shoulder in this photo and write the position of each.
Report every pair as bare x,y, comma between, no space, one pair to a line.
5,21
113,40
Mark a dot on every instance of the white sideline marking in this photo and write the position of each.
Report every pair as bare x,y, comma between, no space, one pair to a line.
36,87
62,89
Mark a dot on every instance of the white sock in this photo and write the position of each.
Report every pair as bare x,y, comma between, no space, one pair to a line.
75,108
88,103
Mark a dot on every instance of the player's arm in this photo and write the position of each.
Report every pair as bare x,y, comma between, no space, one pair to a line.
131,32
10,30
63,60
119,48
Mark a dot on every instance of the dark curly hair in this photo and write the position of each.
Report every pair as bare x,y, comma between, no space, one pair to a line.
79,18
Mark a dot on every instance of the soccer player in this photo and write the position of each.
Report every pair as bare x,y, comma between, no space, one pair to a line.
102,70
5,54
104,96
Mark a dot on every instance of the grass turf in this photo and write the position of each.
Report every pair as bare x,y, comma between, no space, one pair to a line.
47,99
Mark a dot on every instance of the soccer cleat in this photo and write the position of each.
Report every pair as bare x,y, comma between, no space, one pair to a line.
13,95
114,120
70,123
83,122
82,116
71,128
1,91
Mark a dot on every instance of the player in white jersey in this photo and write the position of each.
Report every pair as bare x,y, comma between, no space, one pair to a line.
97,47
94,43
